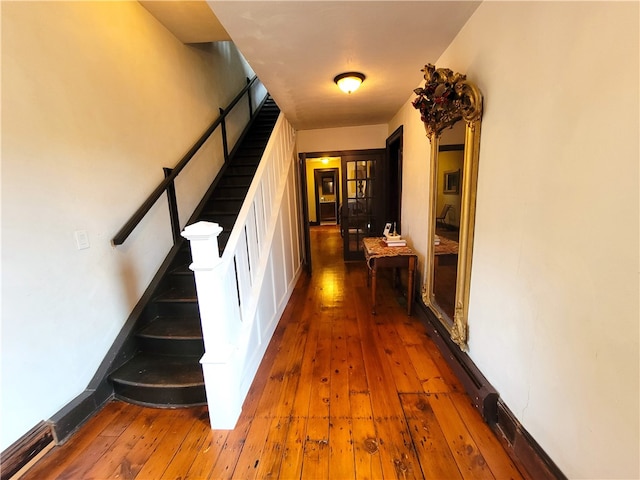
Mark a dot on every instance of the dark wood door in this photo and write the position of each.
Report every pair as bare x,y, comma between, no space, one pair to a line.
393,179
302,167
362,210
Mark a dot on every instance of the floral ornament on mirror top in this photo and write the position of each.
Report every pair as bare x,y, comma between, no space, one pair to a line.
440,101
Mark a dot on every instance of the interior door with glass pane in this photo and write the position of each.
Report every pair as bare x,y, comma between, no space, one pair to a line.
360,211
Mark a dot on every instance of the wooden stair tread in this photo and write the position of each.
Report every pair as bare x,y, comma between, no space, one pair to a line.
146,370
177,294
182,268
174,327
241,169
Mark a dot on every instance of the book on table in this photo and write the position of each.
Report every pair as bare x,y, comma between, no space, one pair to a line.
394,241
401,243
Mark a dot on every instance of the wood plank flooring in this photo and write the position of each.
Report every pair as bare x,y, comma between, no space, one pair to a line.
340,394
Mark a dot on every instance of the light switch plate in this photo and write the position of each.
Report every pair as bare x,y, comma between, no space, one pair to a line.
82,239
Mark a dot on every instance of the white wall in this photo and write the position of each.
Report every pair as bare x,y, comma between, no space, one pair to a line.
97,97
342,138
554,310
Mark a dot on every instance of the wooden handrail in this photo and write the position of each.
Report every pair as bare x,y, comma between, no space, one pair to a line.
137,217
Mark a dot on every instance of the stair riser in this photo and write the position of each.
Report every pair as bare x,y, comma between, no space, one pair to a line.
162,303
256,149
242,170
223,206
181,269
185,283
222,194
257,140
256,145
246,160
226,221
172,346
236,180
233,191
182,259
260,131
271,117
172,310
157,397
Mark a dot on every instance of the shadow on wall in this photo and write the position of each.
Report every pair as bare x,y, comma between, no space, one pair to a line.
129,281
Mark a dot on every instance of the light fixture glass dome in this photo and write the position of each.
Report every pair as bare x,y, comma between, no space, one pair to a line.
349,82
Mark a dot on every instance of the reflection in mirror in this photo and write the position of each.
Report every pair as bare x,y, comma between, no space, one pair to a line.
451,109
447,222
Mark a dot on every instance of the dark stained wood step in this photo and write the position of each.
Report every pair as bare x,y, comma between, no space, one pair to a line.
182,269
173,335
250,154
233,191
241,169
225,220
179,278
177,294
222,204
236,180
179,328
225,212
160,380
147,370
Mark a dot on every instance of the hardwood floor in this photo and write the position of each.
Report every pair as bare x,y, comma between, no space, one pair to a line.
340,394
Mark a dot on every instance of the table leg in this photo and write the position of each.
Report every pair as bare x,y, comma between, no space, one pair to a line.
373,289
410,289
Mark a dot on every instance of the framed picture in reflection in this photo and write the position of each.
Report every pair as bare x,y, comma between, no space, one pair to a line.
451,183
327,186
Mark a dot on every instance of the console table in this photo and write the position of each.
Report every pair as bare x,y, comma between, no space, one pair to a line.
378,255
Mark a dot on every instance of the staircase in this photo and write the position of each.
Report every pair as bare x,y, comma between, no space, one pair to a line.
165,369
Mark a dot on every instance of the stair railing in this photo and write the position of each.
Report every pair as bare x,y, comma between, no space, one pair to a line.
168,184
242,294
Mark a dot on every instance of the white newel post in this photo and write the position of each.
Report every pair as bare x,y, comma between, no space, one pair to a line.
218,318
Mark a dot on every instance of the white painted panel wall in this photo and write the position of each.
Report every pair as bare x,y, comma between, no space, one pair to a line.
257,272
97,97
553,317
283,268
277,257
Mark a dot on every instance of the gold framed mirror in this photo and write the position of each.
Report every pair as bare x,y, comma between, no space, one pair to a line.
450,105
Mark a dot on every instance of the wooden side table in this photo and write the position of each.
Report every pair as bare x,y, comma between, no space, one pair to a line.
378,255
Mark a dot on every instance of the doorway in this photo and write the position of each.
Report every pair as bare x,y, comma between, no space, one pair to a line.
361,196
393,179
327,195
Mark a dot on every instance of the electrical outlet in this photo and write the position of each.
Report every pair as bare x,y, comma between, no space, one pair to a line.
82,239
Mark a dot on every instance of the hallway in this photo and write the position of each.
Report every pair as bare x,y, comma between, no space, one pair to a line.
340,394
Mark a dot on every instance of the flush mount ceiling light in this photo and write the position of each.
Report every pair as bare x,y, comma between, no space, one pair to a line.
349,82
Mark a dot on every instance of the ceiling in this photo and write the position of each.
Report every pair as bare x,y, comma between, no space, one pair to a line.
297,47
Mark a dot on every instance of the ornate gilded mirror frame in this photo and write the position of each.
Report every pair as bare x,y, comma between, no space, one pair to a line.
446,99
